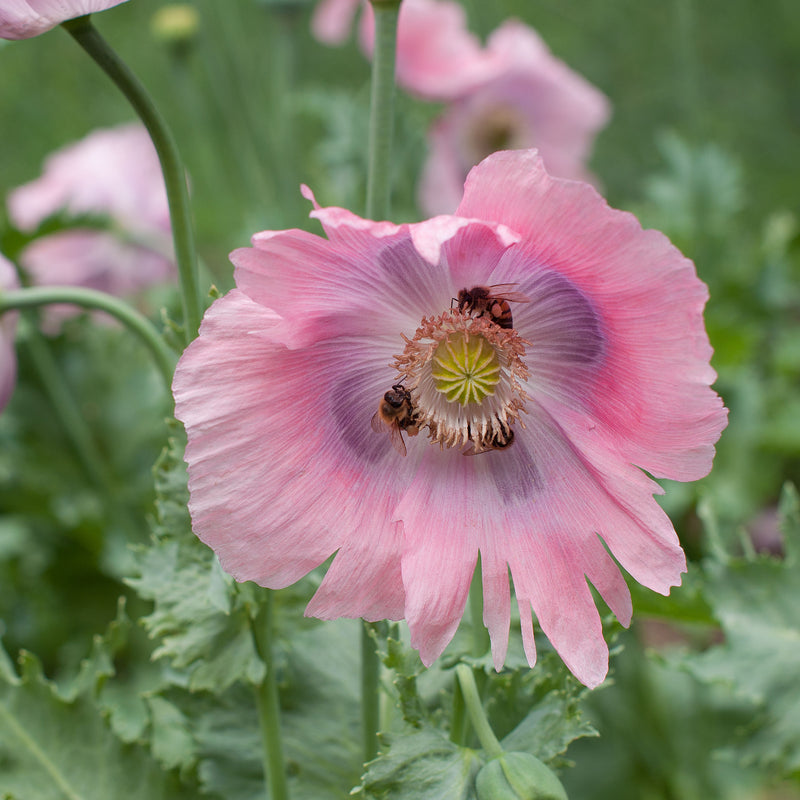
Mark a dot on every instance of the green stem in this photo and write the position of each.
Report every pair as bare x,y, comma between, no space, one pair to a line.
280,125
458,723
87,36
381,120
90,298
67,411
476,713
268,703
370,692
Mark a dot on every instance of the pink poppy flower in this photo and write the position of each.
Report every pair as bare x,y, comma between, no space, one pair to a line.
113,173
8,328
529,442
23,19
533,100
437,57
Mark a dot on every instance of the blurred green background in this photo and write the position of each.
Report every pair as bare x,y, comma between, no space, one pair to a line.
704,143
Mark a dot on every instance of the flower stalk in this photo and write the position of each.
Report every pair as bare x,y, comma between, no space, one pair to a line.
87,36
381,120
370,688
381,123
268,703
477,715
90,298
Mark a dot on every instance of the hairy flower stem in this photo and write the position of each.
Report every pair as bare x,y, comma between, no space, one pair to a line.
381,119
381,122
370,688
268,703
87,36
459,722
477,715
90,298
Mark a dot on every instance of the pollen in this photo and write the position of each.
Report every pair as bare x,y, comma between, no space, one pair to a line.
465,377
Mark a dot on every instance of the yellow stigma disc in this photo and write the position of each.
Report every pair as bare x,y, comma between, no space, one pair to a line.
465,368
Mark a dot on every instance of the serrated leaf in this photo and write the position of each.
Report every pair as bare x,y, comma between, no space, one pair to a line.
756,602
171,740
201,619
421,765
406,666
99,666
319,685
52,748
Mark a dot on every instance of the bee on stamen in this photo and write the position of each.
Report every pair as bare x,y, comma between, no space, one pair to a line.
396,414
491,302
497,440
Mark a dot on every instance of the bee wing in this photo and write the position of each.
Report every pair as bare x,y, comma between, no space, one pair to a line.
499,293
396,437
377,424
395,433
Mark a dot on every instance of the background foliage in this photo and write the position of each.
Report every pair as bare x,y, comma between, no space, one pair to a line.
154,695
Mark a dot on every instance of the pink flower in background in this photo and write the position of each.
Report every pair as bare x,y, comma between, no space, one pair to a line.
8,327
114,174
332,20
22,19
532,100
437,57
525,423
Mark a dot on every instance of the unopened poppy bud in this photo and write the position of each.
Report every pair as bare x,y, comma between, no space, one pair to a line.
175,24
518,776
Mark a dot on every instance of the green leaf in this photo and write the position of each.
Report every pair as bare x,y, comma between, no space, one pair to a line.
171,740
56,749
756,601
201,616
99,666
319,693
421,765
406,666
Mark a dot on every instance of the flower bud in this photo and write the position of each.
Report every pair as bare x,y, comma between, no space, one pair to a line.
518,776
176,24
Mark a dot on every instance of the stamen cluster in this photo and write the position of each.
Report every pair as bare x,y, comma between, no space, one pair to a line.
464,374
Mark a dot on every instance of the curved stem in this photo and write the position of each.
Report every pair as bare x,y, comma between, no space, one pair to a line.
381,120
82,30
476,713
268,703
90,298
458,722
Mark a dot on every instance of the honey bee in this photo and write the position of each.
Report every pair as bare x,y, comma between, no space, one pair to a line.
487,301
499,440
396,413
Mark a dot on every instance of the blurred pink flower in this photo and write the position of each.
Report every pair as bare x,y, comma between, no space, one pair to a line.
8,328
114,174
332,20
437,57
22,19
605,373
532,100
